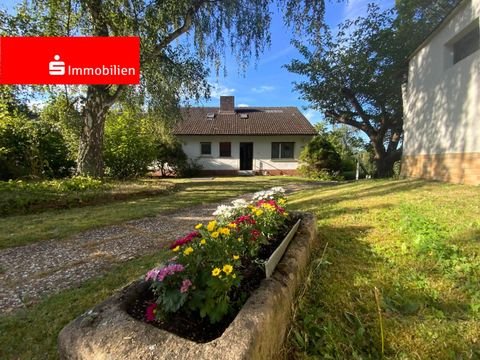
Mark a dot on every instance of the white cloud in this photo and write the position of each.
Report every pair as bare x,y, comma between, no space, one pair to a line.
220,90
243,105
277,55
313,116
262,89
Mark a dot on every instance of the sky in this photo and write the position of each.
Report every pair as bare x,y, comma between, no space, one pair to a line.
266,82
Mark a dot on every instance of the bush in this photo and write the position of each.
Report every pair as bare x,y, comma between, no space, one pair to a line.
171,159
129,146
32,148
190,168
320,160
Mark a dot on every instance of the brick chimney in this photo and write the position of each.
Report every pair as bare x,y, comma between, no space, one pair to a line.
227,104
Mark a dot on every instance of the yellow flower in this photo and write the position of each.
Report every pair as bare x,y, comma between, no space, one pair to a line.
282,202
215,234
258,212
232,225
203,241
216,272
268,207
239,239
188,251
211,225
198,226
227,269
176,248
224,231
285,214
236,257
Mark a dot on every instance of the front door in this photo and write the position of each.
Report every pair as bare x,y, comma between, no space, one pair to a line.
246,156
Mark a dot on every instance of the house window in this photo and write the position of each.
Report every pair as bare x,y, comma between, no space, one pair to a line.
467,44
205,148
225,149
282,150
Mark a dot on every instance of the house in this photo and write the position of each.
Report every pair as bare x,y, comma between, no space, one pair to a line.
249,140
442,101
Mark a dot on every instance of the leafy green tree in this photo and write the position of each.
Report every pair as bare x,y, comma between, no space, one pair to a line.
31,147
320,160
129,145
355,76
170,69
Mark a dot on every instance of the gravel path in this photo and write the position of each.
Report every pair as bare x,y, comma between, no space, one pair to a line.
29,272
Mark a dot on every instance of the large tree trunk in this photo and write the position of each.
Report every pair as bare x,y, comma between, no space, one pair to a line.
90,154
385,160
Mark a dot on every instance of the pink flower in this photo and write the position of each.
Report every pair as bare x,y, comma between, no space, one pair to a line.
151,313
185,240
152,274
169,270
185,286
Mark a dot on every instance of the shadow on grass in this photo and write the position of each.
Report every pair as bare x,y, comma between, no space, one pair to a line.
337,317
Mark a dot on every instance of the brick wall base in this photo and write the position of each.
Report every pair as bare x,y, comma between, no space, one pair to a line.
460,168
236,173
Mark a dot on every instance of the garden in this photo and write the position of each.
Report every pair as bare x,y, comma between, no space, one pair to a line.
416,242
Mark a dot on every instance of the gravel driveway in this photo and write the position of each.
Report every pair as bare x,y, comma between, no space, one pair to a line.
29,272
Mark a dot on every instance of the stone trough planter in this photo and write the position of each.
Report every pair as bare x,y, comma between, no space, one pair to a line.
258,331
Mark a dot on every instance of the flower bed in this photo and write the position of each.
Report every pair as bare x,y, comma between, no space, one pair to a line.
214,268
109,331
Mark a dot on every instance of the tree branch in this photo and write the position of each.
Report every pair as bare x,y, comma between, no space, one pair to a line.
187,24
113,97
347,118
358,108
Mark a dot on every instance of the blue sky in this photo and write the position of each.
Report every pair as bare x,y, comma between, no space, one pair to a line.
267,82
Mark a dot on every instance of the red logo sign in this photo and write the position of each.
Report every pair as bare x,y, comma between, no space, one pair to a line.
69,60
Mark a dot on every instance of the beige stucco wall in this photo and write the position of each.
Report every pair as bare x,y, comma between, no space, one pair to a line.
262,146
442,99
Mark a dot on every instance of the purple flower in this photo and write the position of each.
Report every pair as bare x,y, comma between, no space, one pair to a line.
169,270
185,286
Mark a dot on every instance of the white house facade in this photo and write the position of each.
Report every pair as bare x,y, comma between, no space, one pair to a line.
229,140
442,101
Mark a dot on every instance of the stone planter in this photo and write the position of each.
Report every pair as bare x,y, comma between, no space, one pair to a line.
257,332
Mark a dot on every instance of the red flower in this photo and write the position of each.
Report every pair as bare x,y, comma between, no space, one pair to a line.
255,234
150,313
185,240
245,219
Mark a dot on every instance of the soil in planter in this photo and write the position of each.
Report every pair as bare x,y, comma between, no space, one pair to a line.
190,325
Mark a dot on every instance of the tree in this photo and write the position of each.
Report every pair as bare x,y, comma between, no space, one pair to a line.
170,69
355,77
319,159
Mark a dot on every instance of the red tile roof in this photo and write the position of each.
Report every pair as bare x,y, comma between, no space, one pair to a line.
260,121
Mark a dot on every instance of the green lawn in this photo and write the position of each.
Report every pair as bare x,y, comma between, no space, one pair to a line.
418,243
59,224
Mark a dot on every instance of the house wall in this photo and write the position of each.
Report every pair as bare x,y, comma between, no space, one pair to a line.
262,161
442,107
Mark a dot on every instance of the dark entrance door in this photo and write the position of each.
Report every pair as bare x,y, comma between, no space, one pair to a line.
246,156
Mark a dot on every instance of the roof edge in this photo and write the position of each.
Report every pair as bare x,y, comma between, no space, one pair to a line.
439,27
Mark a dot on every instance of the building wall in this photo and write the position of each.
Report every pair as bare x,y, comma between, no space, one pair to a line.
442,107
262,161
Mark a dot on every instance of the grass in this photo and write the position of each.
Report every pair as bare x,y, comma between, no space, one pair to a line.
25,197
32,333
398,268
59,224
